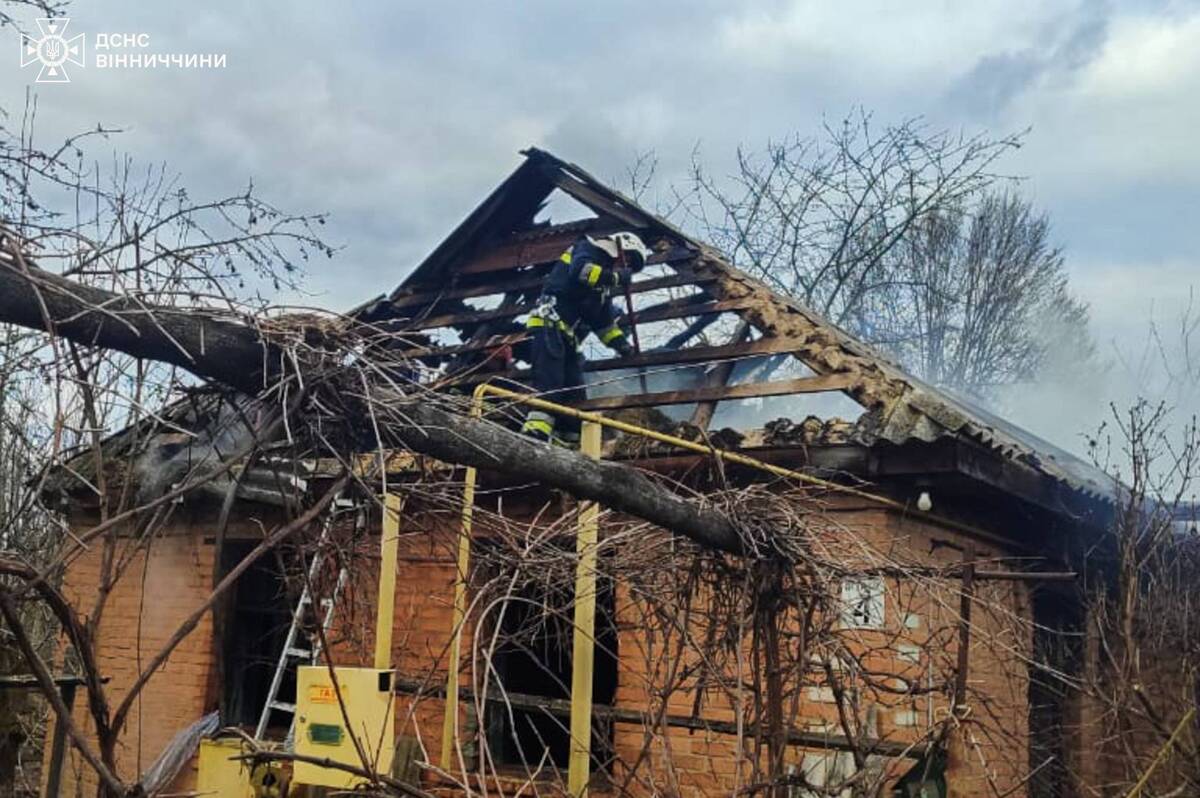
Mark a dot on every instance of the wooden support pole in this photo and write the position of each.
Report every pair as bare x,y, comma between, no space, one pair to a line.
462,572
956,745
964,625
583,652
769,579
389,544
58,747
450,720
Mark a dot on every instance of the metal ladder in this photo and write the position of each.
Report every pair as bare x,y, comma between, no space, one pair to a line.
294,654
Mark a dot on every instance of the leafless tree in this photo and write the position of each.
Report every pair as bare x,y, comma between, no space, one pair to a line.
10,10
28,529
1140,679
109,223
981,298
891,233
1167,367
1139,673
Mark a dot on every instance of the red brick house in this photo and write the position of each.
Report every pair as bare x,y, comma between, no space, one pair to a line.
879,441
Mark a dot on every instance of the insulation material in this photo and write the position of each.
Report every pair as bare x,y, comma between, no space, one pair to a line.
183,747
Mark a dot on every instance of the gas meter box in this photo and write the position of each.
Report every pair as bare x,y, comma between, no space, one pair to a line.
322,730
222,773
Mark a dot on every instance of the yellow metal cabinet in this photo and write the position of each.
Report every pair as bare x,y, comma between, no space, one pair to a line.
322,730
220,776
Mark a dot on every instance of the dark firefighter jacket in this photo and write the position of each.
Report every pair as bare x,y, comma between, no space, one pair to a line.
577,295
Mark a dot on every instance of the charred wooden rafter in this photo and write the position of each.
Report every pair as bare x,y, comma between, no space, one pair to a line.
820,384
524,253
692,355
527,281
695,305
683,310
696,354
595,199
464,314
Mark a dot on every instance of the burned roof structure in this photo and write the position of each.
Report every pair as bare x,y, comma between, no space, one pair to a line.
461,311
707,330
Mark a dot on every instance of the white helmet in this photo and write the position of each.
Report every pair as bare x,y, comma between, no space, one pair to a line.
635,250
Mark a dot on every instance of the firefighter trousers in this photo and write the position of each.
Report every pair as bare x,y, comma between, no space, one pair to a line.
557,377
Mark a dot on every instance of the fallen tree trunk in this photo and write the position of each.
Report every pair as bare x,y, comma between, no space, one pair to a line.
235,354
205,344
455,438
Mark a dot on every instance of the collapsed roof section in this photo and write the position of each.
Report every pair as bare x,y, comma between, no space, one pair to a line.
461,313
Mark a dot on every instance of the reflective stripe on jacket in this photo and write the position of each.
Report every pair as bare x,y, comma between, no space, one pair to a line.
537,321
579,284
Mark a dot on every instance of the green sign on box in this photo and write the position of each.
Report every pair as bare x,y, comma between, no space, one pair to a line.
325,734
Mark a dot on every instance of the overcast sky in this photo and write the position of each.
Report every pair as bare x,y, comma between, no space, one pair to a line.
397,117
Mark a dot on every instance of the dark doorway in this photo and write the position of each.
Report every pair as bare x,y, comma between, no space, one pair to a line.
256,626
535,659
1058,645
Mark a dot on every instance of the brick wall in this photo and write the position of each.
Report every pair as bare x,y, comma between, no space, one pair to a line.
685,761
423,618
154,596
680,761
920,622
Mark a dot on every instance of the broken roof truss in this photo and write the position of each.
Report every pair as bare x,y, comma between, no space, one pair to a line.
462,310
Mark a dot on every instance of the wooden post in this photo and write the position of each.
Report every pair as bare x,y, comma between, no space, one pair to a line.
583,652
389,544
957,750
450,719
964,625
769,581
461,572
58,747
773,706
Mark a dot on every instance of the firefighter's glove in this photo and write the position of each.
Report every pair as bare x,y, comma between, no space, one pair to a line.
622,346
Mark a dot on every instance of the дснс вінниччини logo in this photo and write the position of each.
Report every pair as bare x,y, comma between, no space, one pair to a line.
53,51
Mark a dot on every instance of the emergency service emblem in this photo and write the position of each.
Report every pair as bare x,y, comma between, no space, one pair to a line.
53,50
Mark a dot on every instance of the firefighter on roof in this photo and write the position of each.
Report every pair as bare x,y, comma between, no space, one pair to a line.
575,301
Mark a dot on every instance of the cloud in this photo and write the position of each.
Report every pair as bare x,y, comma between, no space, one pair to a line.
889,42
1063,45
1129,113
399,117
